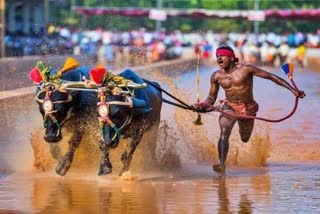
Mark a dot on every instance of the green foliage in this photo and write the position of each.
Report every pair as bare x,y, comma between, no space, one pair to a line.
65,16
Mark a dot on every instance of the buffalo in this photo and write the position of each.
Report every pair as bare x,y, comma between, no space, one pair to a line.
123,114
59,106
126,108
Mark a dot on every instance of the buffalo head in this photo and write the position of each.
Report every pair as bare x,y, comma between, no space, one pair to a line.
54,101
55,105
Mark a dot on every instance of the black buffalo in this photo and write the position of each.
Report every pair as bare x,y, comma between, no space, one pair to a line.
127,116
58,106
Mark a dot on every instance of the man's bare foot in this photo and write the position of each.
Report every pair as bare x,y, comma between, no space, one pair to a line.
219,169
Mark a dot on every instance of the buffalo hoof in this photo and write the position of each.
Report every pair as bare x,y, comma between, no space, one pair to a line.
63,166
124,169
104,170
105,166
219,169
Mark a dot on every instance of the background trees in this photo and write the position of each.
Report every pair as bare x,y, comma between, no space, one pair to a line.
63,15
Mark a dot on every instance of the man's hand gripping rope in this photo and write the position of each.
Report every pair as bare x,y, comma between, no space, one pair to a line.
202,107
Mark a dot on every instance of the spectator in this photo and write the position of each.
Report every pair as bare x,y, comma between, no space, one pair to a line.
283,52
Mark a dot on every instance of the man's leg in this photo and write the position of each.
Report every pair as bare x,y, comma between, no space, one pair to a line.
245,129
226,124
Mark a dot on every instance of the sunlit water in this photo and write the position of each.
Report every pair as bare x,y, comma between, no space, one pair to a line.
272,173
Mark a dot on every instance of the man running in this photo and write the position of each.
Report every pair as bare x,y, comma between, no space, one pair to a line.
237,81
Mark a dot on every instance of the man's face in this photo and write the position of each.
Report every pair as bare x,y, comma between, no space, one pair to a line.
224,61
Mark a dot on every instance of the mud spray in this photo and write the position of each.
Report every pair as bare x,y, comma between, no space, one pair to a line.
187,143
19,118
178,141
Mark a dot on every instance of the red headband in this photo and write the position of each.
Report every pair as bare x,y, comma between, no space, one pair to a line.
227,52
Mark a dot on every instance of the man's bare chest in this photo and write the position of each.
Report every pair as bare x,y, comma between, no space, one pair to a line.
227,80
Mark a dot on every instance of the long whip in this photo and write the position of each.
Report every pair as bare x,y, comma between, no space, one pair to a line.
198,120
198,77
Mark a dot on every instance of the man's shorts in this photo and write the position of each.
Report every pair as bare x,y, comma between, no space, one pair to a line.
243,109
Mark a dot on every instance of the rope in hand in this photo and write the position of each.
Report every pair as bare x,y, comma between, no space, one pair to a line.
288,69
211,108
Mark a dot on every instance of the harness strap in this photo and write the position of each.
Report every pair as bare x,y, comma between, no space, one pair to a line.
48,97
117,131
107,120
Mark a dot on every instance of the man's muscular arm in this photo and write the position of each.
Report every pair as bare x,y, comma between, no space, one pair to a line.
214,89
209,101
276,79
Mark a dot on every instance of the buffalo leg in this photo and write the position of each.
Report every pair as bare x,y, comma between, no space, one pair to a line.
105,164
66,161
55,151
152,136
128,153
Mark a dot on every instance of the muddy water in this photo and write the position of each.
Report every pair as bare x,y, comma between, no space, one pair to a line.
276,171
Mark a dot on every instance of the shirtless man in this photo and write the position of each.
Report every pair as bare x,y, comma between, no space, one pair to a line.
237,81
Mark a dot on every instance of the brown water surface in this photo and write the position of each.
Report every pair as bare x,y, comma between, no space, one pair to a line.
277,171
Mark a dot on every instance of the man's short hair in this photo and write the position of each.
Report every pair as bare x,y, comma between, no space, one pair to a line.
225,47
228,51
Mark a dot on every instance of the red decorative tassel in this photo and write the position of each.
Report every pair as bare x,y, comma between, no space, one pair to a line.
35,75
96,74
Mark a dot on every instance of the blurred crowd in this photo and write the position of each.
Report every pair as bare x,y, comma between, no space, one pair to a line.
140,46
104,47
268,49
